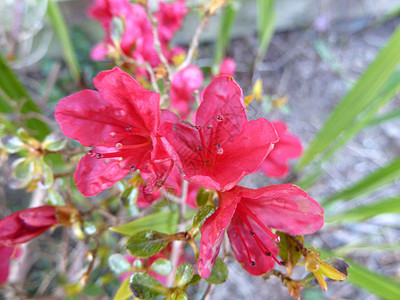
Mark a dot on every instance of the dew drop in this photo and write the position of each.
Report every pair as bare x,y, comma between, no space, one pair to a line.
209,126
128,128
220,151
219,118
118,146
99,155
277,239
253,263
113,134
252,233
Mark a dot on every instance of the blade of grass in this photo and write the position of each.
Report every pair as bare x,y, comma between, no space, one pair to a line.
361,213
384,118
366,248
390,89
60,27
224,34
380,177
266,26
359,98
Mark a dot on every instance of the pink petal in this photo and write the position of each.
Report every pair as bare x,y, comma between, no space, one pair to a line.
227,67
285,207
212,232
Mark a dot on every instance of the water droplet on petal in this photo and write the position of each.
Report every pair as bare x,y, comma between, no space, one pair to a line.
118,146
220,151
113,134
99,155
277,239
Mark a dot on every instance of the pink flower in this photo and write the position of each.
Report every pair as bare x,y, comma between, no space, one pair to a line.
227,67
7,253
173,185
121,121
24,225
247,215
288,147
224,146
170,17
184,84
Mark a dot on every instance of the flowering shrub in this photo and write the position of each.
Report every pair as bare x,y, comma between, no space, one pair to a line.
161,156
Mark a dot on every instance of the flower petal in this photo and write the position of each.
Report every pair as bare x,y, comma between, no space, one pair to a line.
284,207
212,232
93,175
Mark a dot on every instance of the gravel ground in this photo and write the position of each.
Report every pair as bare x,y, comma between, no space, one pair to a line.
293,68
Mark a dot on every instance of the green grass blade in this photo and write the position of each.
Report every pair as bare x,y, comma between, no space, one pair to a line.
60,27
361,213
224,34
366,248
380,177
386,117
266,25
357,100
165,222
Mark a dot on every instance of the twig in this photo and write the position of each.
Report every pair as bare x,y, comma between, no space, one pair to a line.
157,47
207,293
194,42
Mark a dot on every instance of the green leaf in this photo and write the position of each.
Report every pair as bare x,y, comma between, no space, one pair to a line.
380,177
219,273
225,27
177,295
146,243
350,249
54,197
144,286
23,169
195,279
202,196
129,196
364,212
54,142
201,216
358,99
289,250
266,25
184,274
385,117
47,174
12,144
161,266
60,27
165,222
118,263
124,292
18,96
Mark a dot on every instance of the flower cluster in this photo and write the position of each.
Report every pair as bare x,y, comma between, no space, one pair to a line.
123,124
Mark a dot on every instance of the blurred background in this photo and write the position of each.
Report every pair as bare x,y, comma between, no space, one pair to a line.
309,54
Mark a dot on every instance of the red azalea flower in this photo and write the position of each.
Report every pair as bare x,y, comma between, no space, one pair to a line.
173,184
24,225
184,84
224,146
247,215
227,67
7,253
288,147
121,121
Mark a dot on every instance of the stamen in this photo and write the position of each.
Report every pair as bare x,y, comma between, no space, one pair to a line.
219,118
199,148
243,242
120,146
275,237
197,127
128,128
132,168
113,134
99,155
90,153
209,126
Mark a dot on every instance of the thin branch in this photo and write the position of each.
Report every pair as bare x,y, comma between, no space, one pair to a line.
194,44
